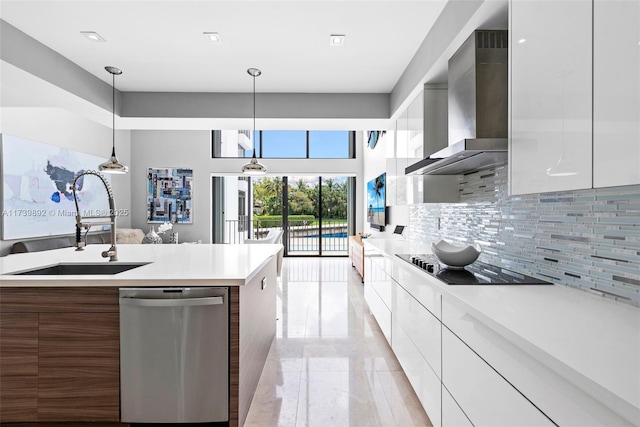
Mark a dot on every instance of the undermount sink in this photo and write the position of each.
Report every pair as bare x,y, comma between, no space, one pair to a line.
80,269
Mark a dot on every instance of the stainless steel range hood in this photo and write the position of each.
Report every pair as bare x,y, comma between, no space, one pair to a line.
478,106
466,156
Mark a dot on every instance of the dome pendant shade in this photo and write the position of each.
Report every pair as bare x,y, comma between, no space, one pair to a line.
113,165
254,167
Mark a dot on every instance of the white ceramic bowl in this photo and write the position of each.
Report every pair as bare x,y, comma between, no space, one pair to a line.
454,256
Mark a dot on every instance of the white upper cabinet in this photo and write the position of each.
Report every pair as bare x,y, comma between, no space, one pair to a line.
616,93
410,147
415,126
551,95
396,180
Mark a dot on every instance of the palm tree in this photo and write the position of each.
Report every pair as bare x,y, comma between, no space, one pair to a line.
302,185
378,186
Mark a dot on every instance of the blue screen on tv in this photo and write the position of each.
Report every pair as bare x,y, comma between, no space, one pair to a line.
376,200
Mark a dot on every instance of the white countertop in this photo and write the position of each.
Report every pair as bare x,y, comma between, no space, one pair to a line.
592,341
170,265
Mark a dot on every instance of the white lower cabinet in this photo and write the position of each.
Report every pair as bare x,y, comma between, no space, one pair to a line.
378,290
414,283
466,369
452,414
416,344
379,310
422,327
484,395
564,402
420,374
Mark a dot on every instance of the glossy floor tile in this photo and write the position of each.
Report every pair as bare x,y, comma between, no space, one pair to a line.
330,365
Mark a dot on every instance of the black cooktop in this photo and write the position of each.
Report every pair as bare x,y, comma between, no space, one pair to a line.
477,273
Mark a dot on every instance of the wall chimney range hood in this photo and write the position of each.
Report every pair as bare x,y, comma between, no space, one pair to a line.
478,107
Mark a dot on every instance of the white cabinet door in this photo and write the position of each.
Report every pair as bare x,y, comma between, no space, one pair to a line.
378,309
616,93
452,414
378,290
484,395
381,279
422,327
397,181
422,378
551,95
417,284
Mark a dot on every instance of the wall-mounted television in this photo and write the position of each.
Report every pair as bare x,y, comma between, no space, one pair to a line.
377,202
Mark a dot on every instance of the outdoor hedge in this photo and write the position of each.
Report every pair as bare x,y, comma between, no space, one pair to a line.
276,220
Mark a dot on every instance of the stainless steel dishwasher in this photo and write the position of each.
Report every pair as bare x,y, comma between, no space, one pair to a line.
174,355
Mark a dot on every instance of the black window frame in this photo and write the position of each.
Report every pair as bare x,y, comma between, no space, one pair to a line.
216,140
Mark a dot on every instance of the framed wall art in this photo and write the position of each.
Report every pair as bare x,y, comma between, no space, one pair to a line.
37,193
170,195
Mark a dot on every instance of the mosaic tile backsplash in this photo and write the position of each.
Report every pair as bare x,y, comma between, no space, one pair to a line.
588,239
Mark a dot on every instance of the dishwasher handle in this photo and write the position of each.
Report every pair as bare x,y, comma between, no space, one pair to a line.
174,302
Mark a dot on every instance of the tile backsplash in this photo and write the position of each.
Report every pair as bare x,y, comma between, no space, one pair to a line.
588,238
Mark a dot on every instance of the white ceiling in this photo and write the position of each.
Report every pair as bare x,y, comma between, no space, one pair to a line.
160,47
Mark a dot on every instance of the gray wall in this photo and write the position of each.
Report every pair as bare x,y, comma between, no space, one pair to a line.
59,127
587,239
173,149
192,149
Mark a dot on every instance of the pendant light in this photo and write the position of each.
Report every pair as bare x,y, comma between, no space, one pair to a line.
254,167
113,165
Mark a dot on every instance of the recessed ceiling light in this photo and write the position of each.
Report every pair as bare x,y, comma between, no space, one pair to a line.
337,39
522,40
93,36
213,37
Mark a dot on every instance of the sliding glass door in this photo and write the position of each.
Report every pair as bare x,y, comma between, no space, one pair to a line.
314,212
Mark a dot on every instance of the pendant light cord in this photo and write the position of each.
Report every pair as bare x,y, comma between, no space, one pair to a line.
113,113
254,117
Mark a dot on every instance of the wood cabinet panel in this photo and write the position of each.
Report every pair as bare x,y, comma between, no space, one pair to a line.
18,344
59,355
59,300
64,424
79,367
18,367
234,354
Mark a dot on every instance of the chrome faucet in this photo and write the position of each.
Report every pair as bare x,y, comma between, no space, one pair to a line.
112,253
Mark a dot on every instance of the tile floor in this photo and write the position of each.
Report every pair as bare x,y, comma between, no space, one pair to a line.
330,365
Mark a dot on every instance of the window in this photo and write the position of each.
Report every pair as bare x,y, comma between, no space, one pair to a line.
284,144
328,144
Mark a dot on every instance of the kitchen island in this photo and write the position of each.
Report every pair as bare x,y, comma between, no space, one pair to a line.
59,334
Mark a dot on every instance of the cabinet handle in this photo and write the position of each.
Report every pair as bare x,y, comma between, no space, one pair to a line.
264,283
186,302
